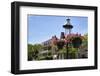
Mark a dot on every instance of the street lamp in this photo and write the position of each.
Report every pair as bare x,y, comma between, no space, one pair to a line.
68,28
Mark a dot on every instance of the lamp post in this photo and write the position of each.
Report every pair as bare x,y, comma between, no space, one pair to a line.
67,28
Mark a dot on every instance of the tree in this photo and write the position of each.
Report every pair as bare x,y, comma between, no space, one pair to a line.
33,51
30,52
85,40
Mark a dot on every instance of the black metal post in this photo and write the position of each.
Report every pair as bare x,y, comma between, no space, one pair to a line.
67,51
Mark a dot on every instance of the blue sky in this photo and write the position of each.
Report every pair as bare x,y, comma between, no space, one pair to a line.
42,28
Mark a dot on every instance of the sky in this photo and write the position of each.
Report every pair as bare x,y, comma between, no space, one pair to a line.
42,27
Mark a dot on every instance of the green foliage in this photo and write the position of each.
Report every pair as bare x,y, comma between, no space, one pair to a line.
37,47
30,52
85,40
86,36
72,50
63,50
50,53
77,42
33,51
47,47
45,58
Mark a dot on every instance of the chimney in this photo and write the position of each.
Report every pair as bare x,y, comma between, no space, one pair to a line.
62,35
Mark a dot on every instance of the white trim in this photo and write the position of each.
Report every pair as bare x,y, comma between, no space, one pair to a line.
24,64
